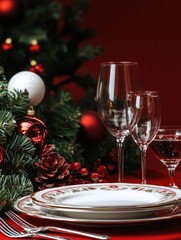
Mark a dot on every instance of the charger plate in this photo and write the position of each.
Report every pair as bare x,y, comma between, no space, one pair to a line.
107,196
25,205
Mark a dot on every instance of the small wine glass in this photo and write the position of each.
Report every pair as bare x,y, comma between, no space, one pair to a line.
167,148
116,79
148,124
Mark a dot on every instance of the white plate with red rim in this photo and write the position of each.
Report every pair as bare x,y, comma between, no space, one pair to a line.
25,205
107,196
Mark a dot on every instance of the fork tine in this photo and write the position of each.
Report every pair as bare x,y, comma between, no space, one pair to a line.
7,229
17,219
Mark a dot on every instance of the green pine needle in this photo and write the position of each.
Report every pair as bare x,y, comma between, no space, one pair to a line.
60,54
7,125
19,155
18,103
12,188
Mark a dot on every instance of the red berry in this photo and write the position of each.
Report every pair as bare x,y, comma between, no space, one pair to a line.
83,171
110,167
76,166
32,69
35,48
101,170
95,176
7,46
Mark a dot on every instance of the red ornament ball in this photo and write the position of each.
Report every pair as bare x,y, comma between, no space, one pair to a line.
34,129
9,9
7,45
93,128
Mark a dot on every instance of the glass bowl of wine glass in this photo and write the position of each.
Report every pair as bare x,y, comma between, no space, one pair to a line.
115,80
167,148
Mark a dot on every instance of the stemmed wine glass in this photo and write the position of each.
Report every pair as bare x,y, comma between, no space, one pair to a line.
116,79
148,124
167,148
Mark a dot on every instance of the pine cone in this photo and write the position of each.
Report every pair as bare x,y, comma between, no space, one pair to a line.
54,169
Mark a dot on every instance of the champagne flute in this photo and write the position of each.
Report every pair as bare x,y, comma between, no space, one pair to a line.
147,126
167,148
116,79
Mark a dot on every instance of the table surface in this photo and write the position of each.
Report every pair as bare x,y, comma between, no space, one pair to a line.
159,230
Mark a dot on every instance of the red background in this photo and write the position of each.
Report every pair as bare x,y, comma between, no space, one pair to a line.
149,32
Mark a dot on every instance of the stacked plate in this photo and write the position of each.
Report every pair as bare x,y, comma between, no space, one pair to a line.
106,202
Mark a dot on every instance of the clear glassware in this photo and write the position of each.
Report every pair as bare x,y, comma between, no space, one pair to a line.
167,148
116,79
147,126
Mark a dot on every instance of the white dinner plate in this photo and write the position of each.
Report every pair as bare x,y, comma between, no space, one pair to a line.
107,196
26,205
107,214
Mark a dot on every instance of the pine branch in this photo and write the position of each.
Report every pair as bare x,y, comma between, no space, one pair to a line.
88,53
72,151
13,187
19,155
63,123
7,125
61,118
18,103
60,52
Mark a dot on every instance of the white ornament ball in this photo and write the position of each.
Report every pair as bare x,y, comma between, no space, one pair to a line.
30,81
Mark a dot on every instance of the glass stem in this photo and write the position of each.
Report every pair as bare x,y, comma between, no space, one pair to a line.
143,164
120,150
171,172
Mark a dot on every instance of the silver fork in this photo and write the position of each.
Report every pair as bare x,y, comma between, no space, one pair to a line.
34,229
11,232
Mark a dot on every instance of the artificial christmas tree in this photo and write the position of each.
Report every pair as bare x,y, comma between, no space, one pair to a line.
46,38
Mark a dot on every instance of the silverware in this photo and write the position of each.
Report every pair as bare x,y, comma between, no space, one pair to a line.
32,228
11,232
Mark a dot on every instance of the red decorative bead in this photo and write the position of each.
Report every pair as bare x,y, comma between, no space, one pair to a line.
37,68
102,170
95,176
84,172
76,166
7,46
32,69
35,48
111,167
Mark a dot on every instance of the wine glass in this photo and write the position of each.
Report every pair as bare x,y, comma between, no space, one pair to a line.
167,148
116,79
148,124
